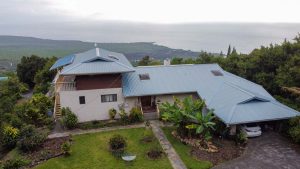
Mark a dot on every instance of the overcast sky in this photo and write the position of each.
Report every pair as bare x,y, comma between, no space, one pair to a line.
187,24
151,11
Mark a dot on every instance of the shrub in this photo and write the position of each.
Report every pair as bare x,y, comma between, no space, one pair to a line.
135,115
117,144
66,148
294,130
112,113
124,116
241,138
13,120
31,138
10,136
70,119
14,163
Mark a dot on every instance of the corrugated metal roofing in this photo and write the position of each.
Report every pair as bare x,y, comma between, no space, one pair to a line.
93,62
234,99
229,95
63,62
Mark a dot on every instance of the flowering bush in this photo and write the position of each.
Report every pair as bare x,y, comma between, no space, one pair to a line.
10,136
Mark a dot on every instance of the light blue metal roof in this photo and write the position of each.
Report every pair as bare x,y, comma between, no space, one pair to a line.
97,61
234,99
3,78
63,62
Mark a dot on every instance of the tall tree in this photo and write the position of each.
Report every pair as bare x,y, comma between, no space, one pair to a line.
228,51
28,67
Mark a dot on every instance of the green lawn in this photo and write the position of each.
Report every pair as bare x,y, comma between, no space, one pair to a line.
91,151
184,152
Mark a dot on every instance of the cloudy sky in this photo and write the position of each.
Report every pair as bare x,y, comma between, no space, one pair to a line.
177,23
151,11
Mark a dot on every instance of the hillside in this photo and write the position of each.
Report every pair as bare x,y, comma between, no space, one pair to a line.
12,48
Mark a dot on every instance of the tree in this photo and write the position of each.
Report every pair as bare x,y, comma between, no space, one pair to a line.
10,92
145,61
28,67
44,77
228,51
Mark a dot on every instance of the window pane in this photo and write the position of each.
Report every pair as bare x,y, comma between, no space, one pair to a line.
109,98
81,99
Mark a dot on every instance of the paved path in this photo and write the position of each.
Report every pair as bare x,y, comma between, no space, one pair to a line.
270,151
174,158
78,131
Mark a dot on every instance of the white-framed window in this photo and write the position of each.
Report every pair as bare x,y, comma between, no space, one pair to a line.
108,98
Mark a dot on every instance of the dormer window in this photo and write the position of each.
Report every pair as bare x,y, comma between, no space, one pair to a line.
144,76
217,73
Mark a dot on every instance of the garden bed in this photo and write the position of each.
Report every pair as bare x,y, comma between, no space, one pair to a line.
51,148
227,150
102,124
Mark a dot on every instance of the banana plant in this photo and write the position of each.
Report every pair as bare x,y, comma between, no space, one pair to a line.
202,124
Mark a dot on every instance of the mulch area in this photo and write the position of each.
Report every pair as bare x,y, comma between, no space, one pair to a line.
228,150
51,148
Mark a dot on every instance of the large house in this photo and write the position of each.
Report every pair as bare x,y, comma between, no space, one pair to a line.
92,82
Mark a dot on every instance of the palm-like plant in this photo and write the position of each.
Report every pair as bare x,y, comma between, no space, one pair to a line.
203,124
187,115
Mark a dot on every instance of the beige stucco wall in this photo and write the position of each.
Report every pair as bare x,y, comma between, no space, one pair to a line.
170,97
93,109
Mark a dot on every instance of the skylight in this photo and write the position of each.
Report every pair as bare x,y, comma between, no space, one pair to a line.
144,76
217,73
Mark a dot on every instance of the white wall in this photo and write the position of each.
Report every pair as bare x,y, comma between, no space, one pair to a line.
93,109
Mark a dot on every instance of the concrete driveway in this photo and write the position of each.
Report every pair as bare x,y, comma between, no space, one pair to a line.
270,151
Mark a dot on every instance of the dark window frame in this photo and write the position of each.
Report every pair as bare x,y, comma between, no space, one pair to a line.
81,99
114,98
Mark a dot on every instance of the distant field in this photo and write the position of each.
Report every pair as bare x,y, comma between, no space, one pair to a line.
12,48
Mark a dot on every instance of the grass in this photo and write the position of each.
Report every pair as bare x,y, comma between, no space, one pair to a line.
184,152
91,151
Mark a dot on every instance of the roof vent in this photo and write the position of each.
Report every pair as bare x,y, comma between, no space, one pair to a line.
113,57
97,52
144,76
217,73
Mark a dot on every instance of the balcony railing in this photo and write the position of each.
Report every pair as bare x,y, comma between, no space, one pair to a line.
66,86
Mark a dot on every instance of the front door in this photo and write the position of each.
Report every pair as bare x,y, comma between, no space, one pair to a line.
147,104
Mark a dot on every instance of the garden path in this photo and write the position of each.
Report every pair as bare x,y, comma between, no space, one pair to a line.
174,158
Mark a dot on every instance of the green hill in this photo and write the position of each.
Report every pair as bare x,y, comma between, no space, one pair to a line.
12,48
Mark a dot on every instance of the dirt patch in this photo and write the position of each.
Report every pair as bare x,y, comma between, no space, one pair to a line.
154,154
51,148
227,150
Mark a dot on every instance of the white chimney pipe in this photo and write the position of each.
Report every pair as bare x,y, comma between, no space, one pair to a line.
167,62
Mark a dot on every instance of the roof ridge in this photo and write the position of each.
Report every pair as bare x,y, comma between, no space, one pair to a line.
240,78
239,88
231,113
124,65
177,65
284,106
78,64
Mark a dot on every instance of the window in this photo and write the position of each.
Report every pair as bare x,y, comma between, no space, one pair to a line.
144,76
109,98
81,99
217,73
